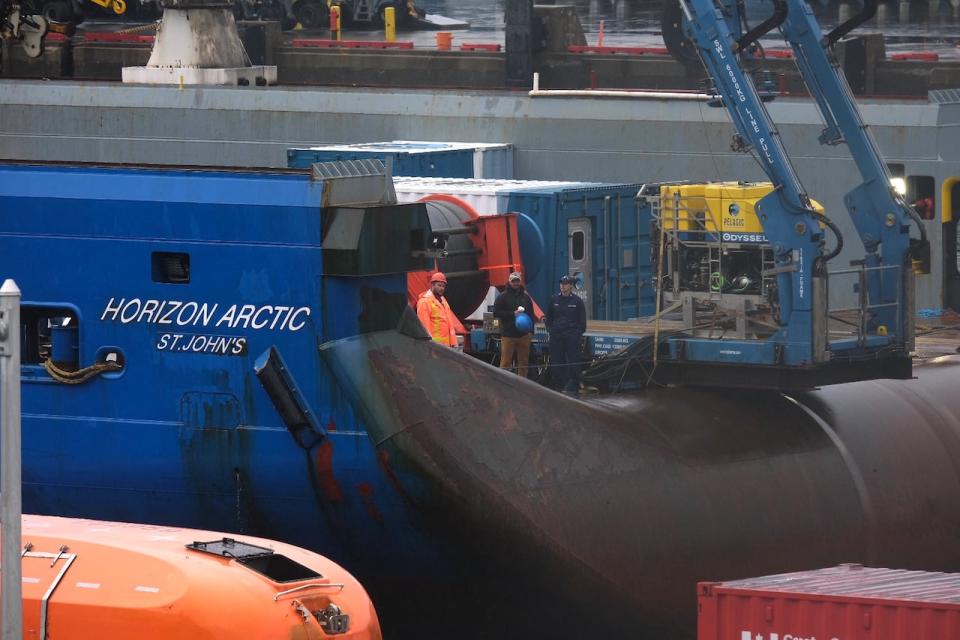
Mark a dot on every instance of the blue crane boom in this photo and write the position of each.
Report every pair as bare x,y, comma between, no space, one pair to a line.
879,214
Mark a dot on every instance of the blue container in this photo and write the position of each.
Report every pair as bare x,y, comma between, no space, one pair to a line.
422,159
595,231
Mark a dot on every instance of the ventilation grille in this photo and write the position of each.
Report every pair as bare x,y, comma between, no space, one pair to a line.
944,96
353,182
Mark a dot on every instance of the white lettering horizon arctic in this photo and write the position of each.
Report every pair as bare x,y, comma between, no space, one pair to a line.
204,314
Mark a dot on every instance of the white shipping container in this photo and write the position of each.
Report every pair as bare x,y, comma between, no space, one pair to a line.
487,197
484,160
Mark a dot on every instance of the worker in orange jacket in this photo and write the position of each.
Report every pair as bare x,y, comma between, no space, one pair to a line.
435,314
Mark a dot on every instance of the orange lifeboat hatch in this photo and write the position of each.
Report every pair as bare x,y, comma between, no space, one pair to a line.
86,579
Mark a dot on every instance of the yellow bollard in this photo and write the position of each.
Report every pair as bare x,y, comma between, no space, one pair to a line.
335,21
390,23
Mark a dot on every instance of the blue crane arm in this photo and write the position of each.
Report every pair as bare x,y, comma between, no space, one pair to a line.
789,221
881,217
709,31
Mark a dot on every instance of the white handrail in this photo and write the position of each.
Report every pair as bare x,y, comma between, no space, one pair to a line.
634,94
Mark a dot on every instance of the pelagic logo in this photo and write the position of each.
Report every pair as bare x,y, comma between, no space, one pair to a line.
749,635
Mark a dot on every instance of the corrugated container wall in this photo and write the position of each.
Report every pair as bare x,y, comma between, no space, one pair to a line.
421,159
595,231
849,602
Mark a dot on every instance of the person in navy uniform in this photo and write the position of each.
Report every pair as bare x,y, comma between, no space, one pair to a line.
566,319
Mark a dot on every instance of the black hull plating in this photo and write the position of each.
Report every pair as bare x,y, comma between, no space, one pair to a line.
605,513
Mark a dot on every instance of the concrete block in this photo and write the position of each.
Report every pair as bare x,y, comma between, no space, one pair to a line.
235,76
261,39
54,62
409,68
104,60
562,27
575,71
858,57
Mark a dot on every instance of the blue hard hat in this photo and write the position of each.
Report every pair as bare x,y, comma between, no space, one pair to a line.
523,322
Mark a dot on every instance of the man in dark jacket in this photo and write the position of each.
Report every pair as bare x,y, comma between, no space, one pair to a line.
566,322
512,302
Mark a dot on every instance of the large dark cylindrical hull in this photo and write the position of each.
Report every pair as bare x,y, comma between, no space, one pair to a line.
621,504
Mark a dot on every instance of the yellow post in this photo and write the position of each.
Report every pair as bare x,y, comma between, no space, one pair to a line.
335,21
390,23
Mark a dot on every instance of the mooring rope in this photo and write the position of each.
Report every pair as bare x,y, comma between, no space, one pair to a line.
80,375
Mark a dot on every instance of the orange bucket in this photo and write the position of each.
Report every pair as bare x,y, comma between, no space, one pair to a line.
444,40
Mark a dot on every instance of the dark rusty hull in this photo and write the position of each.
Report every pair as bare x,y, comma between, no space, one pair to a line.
615,507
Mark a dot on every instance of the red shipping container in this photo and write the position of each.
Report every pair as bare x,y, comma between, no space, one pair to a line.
848,602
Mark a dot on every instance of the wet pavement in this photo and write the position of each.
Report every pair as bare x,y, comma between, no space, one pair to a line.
918,26
932,26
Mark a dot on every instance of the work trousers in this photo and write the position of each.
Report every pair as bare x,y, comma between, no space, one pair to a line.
565,362
515,346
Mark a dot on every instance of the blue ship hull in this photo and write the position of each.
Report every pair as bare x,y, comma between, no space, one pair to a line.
185,434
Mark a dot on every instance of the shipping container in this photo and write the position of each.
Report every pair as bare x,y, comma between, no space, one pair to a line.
423,159
847,602
592,230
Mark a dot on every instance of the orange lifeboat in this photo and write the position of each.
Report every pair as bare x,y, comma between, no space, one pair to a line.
90,579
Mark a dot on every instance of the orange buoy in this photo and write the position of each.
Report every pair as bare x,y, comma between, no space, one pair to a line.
90,579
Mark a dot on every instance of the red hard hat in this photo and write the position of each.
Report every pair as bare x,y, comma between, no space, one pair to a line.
438,277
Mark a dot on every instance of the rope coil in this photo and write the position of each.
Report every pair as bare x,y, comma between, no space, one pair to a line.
80,375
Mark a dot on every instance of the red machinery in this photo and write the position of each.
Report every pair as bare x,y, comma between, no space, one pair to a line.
479,252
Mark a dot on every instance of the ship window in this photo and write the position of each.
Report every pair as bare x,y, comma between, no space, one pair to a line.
577,245
49,333
170,268
922,194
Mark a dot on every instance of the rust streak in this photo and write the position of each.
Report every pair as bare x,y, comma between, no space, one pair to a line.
365,489
384,459
325,478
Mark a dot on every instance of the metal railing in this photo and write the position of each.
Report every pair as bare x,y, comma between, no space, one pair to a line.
864,305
